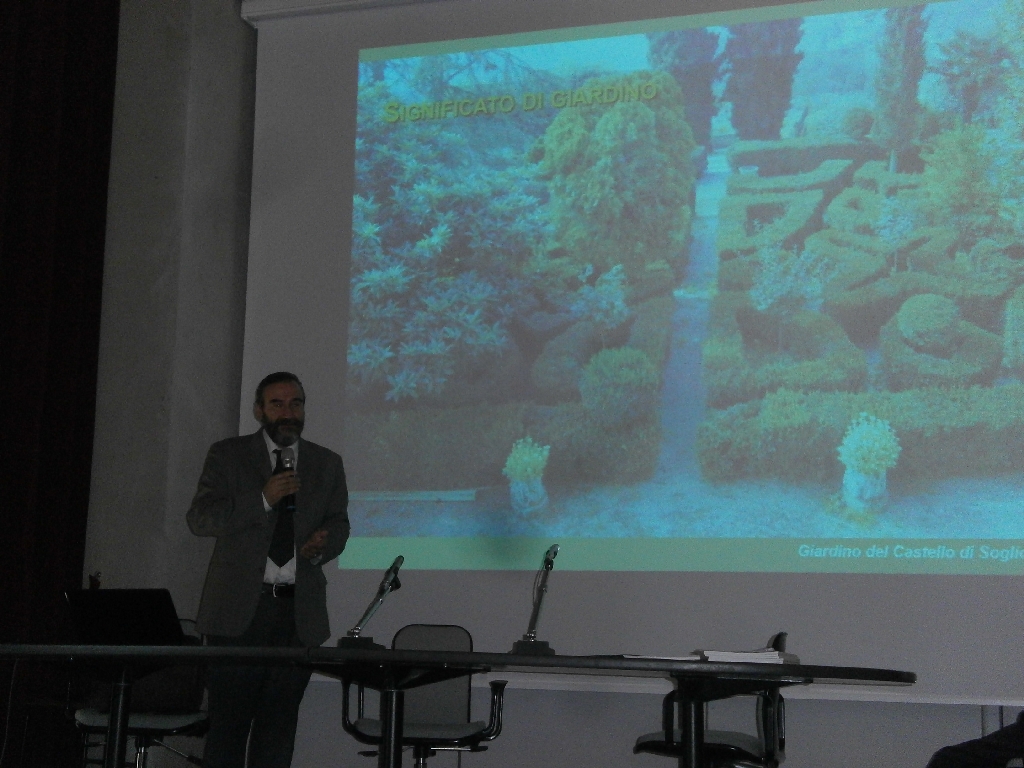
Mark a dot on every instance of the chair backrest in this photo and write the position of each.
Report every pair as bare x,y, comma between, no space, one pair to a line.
449,700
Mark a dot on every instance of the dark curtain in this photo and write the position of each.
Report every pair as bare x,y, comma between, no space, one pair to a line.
57,63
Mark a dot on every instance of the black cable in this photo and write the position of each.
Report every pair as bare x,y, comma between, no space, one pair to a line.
10,703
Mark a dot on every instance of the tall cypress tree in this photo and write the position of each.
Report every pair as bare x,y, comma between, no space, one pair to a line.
689,56
763,60
901,66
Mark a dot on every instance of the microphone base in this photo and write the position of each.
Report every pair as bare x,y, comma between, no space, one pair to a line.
532,648
360,643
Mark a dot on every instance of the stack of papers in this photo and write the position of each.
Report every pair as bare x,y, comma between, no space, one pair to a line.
760,656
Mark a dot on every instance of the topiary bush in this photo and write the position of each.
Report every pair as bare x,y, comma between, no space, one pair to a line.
972,356
870,446
747,223
620,387
555,374
929,323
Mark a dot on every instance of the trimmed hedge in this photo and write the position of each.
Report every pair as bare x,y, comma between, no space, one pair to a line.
855,258
794,436
738,274
802,155
863,311
815,353
876,177
651,331
747,223
931,249
582,449
430,448
854,210
620,387
556,372
830,177
974,358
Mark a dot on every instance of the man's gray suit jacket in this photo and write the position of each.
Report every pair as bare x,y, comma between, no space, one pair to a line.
229,505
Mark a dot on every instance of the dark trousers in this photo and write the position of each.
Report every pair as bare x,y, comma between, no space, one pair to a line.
263,700
992,751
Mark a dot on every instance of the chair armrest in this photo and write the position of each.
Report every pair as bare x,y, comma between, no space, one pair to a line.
494,723
346,720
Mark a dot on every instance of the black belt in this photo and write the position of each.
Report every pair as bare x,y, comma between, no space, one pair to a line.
279,590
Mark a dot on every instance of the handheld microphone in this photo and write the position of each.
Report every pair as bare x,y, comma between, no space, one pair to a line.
288,462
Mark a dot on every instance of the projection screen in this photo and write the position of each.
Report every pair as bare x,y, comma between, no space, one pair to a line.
729,297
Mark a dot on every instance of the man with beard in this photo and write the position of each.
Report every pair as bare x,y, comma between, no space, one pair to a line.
265,585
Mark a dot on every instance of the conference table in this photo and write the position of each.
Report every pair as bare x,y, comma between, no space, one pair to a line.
391,672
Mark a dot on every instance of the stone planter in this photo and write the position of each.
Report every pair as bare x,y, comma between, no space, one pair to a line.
528,495
862,492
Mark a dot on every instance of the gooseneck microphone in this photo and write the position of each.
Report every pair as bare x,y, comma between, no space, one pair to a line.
530,645
390,583
549,557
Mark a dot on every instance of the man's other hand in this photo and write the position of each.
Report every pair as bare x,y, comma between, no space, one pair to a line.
315,546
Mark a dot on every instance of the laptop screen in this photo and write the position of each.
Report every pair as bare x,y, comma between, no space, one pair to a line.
124,617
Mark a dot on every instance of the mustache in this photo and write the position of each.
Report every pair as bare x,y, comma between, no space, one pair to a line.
287,423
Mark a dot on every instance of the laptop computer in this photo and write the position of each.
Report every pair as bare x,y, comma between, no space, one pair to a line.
124,617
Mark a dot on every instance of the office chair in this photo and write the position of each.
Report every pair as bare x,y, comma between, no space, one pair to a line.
436,716
729,749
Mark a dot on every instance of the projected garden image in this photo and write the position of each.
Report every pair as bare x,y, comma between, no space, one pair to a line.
748,280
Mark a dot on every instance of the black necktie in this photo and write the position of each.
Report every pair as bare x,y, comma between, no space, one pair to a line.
282,546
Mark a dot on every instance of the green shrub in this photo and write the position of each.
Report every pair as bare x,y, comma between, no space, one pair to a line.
620,386
869,446
656,278
555,374
929,323
747,223
430,448
931,249
800,155
855,259
862,311
651,331
854,210
973,357
942,433
807,351
876,177
526,460
830,177
738,274
583,449
857,123
1013,332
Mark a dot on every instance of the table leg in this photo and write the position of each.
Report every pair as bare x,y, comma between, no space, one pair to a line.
117,729
392,711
